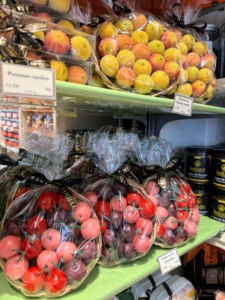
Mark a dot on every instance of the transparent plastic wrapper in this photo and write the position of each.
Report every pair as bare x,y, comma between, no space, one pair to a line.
66,68
136,52
40,34
220,295
126,213
197,78
50,240
56,7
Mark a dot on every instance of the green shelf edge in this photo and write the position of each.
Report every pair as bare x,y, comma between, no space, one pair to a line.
94,93
103,283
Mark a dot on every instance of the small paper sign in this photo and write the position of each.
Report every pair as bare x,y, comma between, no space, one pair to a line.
169,261
182,105
26,81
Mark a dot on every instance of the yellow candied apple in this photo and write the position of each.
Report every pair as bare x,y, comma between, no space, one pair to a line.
141,51
207,61
66,23
124,42
156,46
143,84
200,48
193,59
43,2
109,65
77,74
183,77
172,69
96,81
86,29
169,39
108,46
198,88
213,82
154,30
192,73
138,21
40,35
142,66
124,26
205,75
184,89
108,29
209,92
60,68
60,6
189,40
172,54
161,80
125,58
171,90
80,47
125,77
183,48
139,36
157,62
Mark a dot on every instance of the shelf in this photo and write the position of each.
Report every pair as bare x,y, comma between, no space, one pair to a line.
73,98
103,283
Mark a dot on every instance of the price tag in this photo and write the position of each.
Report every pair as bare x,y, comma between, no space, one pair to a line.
182,105
169,261
26,81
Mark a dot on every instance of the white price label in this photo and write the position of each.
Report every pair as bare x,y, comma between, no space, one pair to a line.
26,81
182,105
169,261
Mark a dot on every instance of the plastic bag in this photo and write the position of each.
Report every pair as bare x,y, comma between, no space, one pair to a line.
50,241
197,79
131,47
220,295
126,213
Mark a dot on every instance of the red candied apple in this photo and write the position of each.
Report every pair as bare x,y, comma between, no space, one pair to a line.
116,220
56,218
192,201
92,197
31,246
82,212
131,214
144,226
15,267
163,199
65,251
44,16
181,235
171,223
162,213
36,225
181,201
191,227
152,188
119,188
90,229
133,198
194,215
75,270
46,259
51,239
141,243
33,280
108,46
57,42
103,225
55,281
129,232
8,245
47,200
109,237
118,203
129,250
147,209
169,237
161,230
172,209
88,250
102,209
24,189
154,199
62,203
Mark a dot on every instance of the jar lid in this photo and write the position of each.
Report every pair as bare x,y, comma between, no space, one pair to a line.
219,150
199,149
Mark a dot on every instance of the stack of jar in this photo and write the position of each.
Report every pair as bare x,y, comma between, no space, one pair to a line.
10,126
205,171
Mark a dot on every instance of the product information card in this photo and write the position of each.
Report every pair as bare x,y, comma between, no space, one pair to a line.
169,261
182,105
26,81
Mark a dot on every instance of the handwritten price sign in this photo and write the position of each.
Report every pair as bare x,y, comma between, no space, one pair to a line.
26,81
169,261
182,105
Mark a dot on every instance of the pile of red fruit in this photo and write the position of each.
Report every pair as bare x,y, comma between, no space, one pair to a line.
176,207
49,248
127,220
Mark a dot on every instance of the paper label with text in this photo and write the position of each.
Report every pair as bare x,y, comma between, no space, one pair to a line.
26,81
182,105
169,261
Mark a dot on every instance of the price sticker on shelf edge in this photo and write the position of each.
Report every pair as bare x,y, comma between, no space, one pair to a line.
169,261
26,81
182,105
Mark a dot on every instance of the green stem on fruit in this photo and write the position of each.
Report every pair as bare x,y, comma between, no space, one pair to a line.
77,253
59,263
24,218
74,224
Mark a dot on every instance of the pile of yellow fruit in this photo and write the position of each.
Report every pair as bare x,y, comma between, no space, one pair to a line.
149,58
